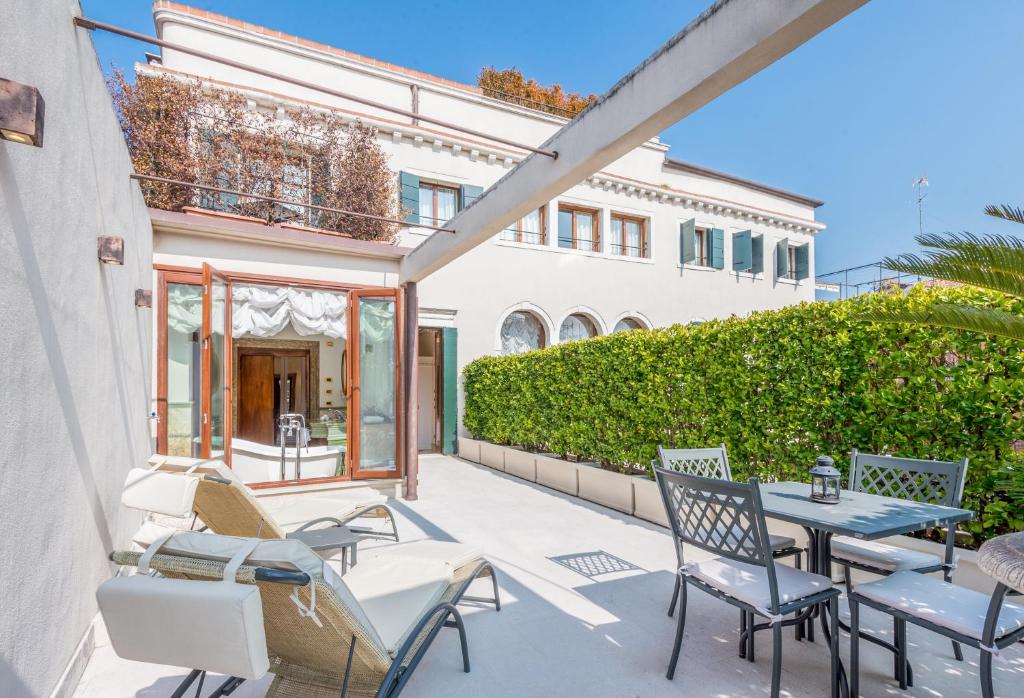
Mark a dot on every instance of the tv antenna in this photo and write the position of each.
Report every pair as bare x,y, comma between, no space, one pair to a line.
919,184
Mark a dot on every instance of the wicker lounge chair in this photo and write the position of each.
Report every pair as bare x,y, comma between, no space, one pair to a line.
227,506
358,635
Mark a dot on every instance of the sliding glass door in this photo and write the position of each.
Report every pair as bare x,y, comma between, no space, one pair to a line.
373,387
216,372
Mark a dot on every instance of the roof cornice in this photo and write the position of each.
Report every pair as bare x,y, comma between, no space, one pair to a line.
690,168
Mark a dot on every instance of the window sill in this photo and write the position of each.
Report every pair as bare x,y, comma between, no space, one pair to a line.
635,260
696,267
747,275
566,250
791,282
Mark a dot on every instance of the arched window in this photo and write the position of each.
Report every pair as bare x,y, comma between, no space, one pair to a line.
522,331
628,323
575,327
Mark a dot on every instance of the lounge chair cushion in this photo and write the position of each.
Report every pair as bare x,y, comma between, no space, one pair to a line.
151,530
214,626
749,583
881,555
395,591
159,492
949,606
455,555
292,511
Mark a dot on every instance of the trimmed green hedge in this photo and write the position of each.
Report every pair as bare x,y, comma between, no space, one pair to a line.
778,388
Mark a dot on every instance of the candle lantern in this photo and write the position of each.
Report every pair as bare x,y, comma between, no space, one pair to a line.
824,481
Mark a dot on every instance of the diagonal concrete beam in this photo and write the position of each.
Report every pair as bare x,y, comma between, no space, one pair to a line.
725,45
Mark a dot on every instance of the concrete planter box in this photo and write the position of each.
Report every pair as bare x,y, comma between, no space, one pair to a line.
613,490
521,464
647,502
469,449
556,473
492,455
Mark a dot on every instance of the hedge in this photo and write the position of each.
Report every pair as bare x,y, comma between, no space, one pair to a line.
778,388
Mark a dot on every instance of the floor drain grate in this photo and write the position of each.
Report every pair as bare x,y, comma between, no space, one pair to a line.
594,564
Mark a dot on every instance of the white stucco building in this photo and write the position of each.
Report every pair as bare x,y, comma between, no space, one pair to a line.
647,242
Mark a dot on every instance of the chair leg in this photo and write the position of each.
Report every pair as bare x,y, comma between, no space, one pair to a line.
743,634
902,653
854,652
798,629
675,597
751,619
776,659
680,624
847,579
985,669
958,652
833,614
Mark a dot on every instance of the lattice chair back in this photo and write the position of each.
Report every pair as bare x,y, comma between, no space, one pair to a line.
703,462
930,481
720,516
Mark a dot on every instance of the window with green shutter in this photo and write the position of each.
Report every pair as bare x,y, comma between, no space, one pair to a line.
782,268
757,255
718,248
687,242
409,191
801,262
742,251
468,193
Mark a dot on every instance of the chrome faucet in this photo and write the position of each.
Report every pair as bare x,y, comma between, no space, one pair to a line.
293,425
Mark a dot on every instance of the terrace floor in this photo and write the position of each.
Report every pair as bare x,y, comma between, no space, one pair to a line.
561,632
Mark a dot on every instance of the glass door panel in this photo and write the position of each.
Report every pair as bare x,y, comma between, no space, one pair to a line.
183,370
216,349
373,394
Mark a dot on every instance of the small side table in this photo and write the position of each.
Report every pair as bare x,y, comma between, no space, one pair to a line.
332,538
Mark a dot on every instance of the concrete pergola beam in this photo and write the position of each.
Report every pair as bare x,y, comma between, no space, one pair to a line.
729,42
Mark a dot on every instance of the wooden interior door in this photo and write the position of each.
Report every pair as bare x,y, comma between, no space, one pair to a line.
216,350
256,397
373,380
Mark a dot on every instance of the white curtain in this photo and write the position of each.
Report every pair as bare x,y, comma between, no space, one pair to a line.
521,332
263,311
184,308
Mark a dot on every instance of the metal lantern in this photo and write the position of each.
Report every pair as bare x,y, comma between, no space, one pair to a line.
824,481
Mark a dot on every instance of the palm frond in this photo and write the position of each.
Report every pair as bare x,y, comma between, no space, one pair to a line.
960,317
1006,213
994,262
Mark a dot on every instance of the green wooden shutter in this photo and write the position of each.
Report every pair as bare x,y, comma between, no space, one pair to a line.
469,193
449,390
409,184
782,259
718,248
687,242
742,251
757,254
802,259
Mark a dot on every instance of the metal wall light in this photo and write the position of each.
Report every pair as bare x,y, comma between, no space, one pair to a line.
110,249
21,113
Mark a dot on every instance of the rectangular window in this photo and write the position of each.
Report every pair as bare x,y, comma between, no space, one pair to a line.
791,251
529,229
437,203
628,236
701,248
295,187
578,229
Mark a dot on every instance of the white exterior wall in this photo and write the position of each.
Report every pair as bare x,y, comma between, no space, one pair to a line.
497,277
76,353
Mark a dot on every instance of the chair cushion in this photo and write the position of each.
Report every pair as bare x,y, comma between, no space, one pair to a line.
781,542
292,511
455,555
394,591
749,583
881,555
150,531
214,626
949,606
161,492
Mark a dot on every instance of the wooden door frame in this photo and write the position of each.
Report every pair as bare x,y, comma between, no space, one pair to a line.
352,392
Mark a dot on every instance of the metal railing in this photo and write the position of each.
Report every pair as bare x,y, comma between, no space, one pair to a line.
866,278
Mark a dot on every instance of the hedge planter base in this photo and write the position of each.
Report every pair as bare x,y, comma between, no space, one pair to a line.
492,455
521,463
607,487
556,473
469,449
647,502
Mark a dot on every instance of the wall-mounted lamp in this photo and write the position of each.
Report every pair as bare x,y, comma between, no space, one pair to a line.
143,298
110,249
21,113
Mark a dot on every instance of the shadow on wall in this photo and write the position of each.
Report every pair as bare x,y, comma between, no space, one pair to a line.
11,685
50,339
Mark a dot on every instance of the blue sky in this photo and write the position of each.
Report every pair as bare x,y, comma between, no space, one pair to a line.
900,89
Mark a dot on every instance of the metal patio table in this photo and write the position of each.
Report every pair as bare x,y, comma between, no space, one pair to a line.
328,539
858,515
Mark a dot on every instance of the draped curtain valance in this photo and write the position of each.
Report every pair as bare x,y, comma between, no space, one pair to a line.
263,311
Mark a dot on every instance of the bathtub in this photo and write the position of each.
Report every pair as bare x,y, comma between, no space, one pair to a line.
256,462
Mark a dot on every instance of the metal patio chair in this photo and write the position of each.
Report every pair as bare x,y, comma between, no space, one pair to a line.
928,481
965,616
714,463
727,518
225,505
359,635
